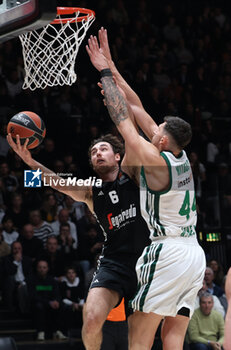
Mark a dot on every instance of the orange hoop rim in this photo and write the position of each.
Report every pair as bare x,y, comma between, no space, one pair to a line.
70,11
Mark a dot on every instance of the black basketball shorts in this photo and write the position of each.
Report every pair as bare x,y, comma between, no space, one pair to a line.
115,276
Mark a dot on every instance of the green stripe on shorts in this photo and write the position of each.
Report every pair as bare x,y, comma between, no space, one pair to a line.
142,272
151,275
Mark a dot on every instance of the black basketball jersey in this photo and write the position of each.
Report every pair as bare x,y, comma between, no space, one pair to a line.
117,208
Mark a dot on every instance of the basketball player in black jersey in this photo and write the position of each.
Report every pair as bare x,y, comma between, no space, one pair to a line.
116,205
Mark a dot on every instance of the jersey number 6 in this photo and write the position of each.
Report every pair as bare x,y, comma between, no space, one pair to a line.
114,197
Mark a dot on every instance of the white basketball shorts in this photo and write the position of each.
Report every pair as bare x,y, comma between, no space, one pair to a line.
170,273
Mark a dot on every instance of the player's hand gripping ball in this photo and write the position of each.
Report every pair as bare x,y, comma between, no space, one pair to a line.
27,125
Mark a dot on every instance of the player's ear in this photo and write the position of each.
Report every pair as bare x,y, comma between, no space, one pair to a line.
117,157
164,140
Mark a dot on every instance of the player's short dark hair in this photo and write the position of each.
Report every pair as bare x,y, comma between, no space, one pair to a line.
117,145
179,129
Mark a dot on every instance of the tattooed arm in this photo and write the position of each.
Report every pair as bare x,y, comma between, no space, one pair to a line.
142,151
142,118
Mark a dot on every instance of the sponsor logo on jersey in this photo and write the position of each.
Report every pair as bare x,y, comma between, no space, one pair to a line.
122,178
123,218
185,181
123,181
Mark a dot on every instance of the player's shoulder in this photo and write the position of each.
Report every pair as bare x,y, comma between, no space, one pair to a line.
130,173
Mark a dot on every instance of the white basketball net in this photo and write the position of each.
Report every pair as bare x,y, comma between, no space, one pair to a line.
49,53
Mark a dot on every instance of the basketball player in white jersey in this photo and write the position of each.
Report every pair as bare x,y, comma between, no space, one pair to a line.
171,270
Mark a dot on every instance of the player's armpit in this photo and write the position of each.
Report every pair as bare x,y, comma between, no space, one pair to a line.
79,194
131,165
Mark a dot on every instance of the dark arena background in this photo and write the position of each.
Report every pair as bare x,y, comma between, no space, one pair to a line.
176,55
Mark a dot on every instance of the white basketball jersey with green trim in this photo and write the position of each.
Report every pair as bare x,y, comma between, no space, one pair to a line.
171,212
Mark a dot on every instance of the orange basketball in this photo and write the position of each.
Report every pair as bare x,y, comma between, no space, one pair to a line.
27,125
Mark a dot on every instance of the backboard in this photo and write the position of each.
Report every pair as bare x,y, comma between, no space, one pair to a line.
19,16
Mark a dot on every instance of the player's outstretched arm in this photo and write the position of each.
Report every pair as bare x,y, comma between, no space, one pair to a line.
145,152
142,118
78,193
131,96
142,150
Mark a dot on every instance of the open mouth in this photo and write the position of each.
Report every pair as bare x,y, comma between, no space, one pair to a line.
100,161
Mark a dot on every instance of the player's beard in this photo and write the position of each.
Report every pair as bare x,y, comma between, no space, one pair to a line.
105,169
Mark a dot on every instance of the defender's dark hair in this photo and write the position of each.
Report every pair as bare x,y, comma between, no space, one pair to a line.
179,129
116,144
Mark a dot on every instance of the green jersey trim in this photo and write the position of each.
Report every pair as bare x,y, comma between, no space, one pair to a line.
157,197
170,177
156,208
157,215
179,155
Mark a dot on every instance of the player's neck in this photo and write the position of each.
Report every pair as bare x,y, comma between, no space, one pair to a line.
110,175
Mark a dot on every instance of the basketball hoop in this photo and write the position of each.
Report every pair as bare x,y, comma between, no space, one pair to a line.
49,53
